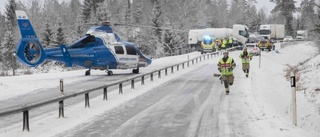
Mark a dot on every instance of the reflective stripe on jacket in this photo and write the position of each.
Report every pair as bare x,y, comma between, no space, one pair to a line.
226,67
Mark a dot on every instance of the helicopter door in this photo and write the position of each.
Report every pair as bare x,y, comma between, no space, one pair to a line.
132,56
126,56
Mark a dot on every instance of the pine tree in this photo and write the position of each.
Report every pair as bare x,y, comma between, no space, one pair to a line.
10,40
2,29
86,11
137,12
286,9
60,36
317,25
7,50
308,16
89,9
222,7
157,23
47,35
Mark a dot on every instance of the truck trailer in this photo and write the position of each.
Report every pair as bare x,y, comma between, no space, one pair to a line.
272,31
302,34
240,32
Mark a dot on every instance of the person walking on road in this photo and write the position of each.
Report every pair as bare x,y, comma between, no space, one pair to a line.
246,58
225,67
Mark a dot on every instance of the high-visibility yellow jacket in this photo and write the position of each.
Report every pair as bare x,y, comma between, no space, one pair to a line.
245,58
224,42
226,67
230,41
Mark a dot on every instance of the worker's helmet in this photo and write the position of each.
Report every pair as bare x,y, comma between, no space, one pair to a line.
245,48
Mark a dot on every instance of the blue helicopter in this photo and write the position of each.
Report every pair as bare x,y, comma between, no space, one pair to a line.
100,48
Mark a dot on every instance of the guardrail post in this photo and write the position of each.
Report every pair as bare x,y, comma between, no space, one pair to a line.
192,61
182,65
166,71
142,80
159,74
105,93
294,100
132,84
86,98
26,120
172,69
260,59
120,88
61,109
178,67
196,60
151,77
188,63
61,86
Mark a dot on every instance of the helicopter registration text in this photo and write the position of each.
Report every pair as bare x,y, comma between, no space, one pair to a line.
128,59
82,55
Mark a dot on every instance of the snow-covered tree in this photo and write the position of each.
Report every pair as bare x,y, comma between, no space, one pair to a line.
286,8
47,35
60,35
156,21
9,41
308,16
6,51
222,13
316,29
89,9
2,29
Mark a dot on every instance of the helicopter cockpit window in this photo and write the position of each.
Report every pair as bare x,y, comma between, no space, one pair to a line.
131,50
119,49
85,42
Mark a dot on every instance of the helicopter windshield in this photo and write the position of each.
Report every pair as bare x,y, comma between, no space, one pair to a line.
84,42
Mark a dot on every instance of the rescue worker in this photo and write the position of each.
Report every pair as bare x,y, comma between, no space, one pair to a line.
224,44
246,58
225,67
230,41
218,44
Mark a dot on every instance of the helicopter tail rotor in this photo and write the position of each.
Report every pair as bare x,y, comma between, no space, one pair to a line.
30,52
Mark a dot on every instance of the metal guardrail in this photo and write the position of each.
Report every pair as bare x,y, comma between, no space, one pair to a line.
27,107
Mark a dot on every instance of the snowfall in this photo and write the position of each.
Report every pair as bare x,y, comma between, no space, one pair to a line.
263,99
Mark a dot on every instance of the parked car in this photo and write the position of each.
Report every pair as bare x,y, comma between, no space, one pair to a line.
251,42
253,49
288,39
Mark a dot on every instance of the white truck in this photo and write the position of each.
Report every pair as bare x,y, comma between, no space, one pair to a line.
240,32
302,34
272,31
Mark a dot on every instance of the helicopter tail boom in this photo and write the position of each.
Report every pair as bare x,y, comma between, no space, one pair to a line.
29,50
